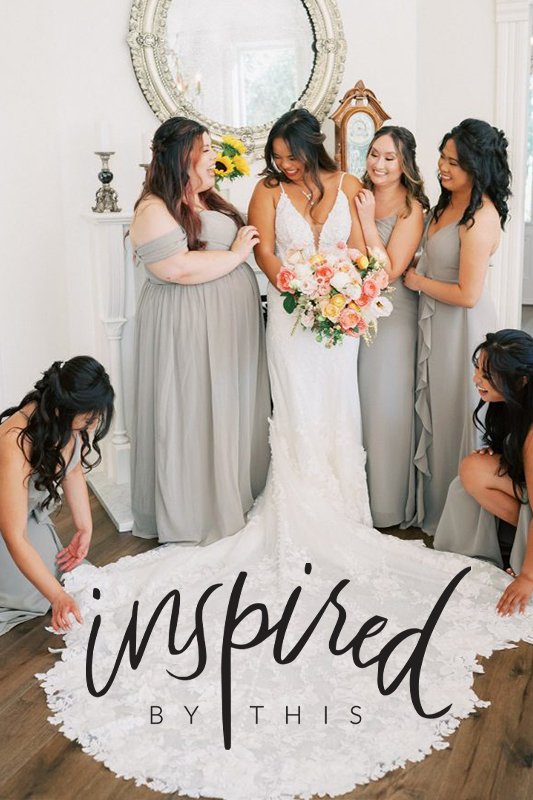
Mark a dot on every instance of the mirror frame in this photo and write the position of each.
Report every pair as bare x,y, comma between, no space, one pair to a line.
146,40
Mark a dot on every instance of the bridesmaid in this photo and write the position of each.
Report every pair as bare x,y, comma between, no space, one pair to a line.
495,484
455,309
391,210
44,444
200,440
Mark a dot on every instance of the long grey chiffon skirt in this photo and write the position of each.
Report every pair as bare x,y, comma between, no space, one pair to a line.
200,443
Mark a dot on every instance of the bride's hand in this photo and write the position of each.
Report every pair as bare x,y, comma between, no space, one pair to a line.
246,239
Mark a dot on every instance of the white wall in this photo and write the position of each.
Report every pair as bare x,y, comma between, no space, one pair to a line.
65,66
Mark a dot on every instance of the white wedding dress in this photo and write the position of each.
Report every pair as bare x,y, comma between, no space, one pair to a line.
314,511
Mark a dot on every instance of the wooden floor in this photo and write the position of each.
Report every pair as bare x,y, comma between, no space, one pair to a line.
490,757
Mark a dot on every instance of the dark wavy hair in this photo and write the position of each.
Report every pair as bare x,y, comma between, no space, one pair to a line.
176,148
482,152
405,145
300,130
506,359
79,386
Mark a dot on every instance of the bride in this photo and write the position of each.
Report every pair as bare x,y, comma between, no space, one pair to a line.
307,653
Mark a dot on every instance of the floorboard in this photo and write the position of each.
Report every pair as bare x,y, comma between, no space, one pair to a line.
490,756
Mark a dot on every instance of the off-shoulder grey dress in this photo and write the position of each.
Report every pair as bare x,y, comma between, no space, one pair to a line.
387,390
19,599
200,449
445,394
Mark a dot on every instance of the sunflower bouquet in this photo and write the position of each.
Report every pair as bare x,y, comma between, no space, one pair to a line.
230,161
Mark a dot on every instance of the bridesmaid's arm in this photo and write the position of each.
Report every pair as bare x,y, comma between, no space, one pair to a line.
188,266
262,214
404,239
351,187
478,243
77,497
14,475
519,591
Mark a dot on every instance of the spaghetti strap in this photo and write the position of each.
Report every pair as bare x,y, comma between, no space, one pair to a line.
282,189
340,182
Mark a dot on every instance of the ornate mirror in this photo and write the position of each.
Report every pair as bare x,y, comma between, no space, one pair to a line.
356,120
236,68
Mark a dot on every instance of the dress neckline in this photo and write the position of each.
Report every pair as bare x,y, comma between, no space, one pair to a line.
316,241
443,228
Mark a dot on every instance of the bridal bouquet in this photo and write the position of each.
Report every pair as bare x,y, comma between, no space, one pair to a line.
230,161
335,294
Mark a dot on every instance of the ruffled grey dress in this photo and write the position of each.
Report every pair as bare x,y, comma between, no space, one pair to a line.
465,527
19,599
387,390
200,449
445,394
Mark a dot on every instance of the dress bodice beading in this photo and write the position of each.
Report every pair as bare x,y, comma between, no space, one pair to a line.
293,230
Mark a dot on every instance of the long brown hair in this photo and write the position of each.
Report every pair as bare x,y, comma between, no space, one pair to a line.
300,130
176,148
405,145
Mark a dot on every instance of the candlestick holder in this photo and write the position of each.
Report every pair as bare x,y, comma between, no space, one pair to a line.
106,196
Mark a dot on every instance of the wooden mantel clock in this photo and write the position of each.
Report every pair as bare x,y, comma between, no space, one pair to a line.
356,120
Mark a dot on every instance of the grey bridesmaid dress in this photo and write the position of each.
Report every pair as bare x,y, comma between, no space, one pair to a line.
19,599
445,393
465,527
386,386
200,449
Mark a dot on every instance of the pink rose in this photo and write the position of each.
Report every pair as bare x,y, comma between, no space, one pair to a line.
285,276
348,319
323,288
353,253
382,279
370,288
341,245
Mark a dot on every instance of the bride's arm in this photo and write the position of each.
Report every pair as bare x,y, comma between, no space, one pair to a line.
262,215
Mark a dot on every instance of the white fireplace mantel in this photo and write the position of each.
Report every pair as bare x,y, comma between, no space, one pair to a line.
114,286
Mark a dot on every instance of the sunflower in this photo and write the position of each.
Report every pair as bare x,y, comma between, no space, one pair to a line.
236,144
241,165
223,166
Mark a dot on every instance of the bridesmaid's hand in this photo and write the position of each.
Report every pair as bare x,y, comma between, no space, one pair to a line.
75,552
413,280
63,605
515,596
245,241
366,206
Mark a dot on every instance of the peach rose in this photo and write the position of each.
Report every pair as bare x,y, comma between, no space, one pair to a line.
283,280
348,319
370,288
324,273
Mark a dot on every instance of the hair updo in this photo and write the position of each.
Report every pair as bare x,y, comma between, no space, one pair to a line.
79,386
